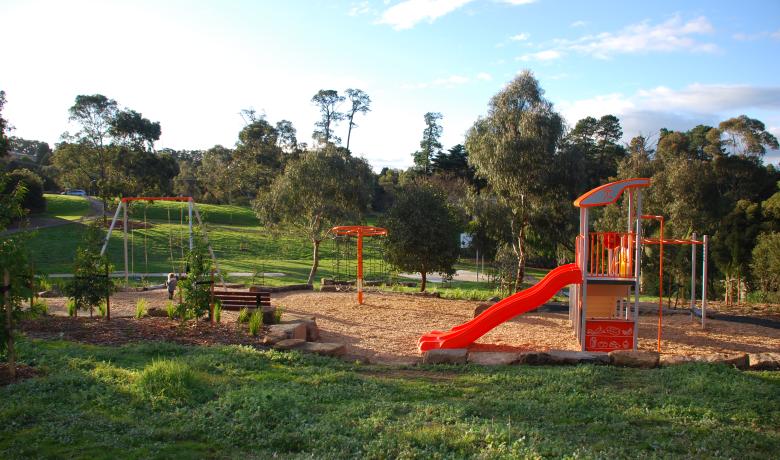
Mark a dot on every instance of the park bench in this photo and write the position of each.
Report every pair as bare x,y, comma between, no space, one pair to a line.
236,300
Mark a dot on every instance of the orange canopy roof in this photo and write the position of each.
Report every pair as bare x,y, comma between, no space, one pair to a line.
609,193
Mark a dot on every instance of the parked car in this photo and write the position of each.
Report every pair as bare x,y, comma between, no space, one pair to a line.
75,192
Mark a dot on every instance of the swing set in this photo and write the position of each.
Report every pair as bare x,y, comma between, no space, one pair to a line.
129,262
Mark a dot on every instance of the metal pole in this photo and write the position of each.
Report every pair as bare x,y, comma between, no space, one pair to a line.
704,283
661,287
108,295
693,275
110,229
637,264
360,268
123,205
583,312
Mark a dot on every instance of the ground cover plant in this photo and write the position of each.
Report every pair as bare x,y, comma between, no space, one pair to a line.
165,400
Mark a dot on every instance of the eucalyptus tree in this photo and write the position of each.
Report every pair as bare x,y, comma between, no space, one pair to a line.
514,149
328,101
430,145
359,103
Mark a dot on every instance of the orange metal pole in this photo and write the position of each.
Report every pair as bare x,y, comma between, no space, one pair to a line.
360,268
661,287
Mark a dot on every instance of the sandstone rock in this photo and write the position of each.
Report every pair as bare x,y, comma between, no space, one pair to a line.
269,314
533,357
446,356
273,337
493,358
157,313
323,348
330,288
630,358
289,344
764,361
293,330
576,357
312,331
675,360
738,360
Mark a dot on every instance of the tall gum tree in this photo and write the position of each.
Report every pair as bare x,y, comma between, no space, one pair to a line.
514,149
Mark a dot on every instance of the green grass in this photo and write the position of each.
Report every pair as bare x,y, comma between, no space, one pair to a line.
215,214
66,207
171,401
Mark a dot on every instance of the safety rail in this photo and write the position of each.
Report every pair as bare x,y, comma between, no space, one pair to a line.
610,254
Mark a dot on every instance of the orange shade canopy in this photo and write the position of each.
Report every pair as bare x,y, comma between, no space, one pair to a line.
358,230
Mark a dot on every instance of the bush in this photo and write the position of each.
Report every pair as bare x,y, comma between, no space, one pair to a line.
217,311
195,287
70,305
39,308
243,316
102,309
141,308
766,262
170,309
33,199
90,284
255,323
278,314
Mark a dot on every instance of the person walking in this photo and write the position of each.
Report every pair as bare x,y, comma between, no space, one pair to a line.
171,283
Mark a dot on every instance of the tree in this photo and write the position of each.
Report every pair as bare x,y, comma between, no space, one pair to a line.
359,103
514,148
423,231
133,129
766,262
747,136
256,160
286,136
216,175
4,141
328,101
430,145
317,191
195,287
90,283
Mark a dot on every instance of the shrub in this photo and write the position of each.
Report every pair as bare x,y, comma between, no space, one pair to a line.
278,314
102,309
243,316
70,304
766,262
170,309
195,288
39,308
90,284
141,308
33,199
255,323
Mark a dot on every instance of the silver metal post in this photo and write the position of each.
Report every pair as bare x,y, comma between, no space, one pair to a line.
123,205
190,211
110,229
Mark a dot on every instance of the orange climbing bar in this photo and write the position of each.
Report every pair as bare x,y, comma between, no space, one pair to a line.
157,198
359,231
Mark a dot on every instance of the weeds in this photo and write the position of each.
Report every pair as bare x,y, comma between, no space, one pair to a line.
278,314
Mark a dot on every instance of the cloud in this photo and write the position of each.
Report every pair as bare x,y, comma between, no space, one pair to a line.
578,24
775,34
517,2
484,76
547,55
408,13
359,8
448,82
647,111
520,37
671,35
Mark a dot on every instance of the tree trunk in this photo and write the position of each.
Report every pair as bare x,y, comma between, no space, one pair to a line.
423,280
315,262
521,258
349,132
9,330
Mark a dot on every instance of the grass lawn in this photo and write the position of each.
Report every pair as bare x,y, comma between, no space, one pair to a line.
172,401
66,207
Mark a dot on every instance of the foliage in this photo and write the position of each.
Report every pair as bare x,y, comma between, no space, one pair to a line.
317,191
423,231
747,136
278,312
766,262
71,307
359,103
196,287
430,145
32,183
103,309
39,308
141,308
90,283
217,311
4,128
255,323
243,316
170,309
514,148
239,402
328,101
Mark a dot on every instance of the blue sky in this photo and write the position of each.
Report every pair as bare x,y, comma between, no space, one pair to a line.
193,65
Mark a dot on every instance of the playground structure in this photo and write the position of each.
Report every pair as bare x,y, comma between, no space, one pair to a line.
604,280
359,232
191,209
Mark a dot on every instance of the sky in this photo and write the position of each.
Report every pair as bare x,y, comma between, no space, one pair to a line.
194,65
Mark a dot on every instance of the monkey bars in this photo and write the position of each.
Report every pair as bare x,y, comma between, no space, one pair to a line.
359,231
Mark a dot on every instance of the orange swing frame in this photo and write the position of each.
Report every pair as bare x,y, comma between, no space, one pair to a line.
359,231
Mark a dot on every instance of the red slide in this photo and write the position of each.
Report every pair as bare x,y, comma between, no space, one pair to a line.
524,301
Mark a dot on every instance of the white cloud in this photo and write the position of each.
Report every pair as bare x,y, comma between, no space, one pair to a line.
520,37
578,24
673,34
517,2
546,55
776,34
408,13
359,8
448,82
484,76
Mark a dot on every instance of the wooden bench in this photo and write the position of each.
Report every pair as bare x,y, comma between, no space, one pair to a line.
236,300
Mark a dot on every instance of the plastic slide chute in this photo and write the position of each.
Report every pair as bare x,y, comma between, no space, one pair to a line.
524,301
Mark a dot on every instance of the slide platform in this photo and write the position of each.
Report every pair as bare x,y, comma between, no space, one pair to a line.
524,301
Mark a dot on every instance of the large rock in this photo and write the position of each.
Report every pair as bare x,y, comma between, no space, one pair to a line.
273,337
482,307
534,357
323,348
289,344
155,312
445,356
312,331
269,314
630,358
675,360
764,361
576,357
738,360
292,330
493,358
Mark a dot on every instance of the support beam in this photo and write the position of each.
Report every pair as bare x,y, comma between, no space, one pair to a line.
190,206
693,275
637,264
110,229
704,283
124,219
